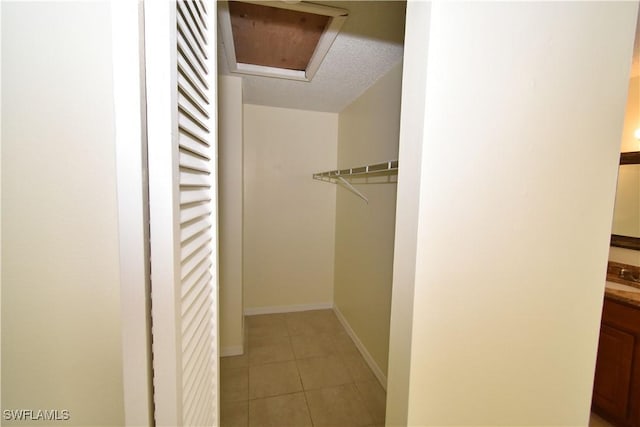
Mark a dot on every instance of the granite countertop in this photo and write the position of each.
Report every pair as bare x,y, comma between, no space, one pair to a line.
632,298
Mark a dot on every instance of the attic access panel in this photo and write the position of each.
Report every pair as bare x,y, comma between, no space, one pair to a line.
277,39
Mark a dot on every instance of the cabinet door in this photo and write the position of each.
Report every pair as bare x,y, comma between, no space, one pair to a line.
613,372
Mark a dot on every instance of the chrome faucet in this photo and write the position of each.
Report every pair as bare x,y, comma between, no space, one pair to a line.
627,274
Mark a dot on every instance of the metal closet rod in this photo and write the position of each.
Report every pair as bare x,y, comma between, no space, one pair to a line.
390,166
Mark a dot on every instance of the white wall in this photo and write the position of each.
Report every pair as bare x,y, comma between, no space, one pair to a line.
512,238
368,133
61,332
230,183
289,218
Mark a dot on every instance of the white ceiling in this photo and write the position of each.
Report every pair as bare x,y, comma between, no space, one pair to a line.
369,44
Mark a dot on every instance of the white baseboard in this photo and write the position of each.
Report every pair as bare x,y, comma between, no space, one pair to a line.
319,306
233,350
287,308
363,350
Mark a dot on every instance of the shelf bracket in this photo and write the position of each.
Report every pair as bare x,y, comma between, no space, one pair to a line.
380,169
352,189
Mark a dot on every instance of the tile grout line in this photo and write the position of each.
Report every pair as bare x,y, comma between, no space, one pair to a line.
351,375
333,334
248,376
304,392
364,403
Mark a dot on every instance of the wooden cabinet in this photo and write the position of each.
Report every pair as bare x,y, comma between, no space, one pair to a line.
616,389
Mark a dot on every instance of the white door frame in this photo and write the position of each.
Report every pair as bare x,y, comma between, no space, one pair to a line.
142,36
146,104
129,106
160,35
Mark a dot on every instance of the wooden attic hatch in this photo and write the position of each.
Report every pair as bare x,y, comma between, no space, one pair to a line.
281,39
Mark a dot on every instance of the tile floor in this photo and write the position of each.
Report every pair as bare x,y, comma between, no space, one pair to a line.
301,369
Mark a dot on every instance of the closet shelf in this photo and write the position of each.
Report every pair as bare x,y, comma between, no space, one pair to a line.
389,167
386,168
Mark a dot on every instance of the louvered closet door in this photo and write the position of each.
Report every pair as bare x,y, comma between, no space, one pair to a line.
182,187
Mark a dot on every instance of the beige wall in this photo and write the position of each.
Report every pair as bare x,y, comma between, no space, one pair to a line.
230,182
629,143
368,133
61,331
631,117
289,218
513,240
626,210
624,256
416,50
